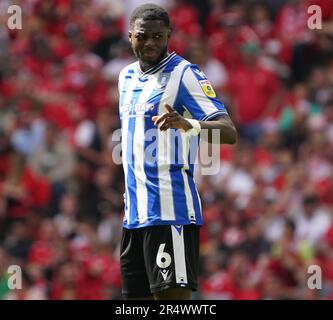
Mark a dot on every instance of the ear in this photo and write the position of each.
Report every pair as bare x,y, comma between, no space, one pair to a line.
130,36
169,33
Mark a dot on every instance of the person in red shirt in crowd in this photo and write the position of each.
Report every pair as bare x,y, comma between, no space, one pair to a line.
99,270
64,285
186,25
185,17
279,278
261,23
291,27
216,282
228,37
22,188
254,93
48,249
83,76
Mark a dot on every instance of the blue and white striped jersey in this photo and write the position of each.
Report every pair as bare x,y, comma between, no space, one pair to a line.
158,169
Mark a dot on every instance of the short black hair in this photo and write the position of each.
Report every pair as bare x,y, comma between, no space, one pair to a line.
150,11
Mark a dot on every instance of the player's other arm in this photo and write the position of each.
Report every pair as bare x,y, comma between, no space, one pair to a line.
227,133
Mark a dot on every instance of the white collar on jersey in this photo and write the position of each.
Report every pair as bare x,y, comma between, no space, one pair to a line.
157,67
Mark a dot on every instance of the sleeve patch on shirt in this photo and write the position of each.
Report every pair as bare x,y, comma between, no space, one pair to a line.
207,88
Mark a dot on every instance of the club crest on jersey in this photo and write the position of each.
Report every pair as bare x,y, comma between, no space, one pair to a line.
162,80
207,88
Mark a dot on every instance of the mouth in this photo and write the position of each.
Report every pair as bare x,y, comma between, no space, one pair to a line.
150,54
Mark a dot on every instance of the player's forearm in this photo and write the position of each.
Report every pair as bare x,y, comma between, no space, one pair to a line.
218,131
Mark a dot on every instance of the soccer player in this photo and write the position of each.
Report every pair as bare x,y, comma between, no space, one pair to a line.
164,101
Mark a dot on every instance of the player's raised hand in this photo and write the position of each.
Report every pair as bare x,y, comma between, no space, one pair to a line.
170,112
171,119
168,108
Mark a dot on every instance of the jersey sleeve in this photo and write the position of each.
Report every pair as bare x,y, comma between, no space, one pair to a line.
197,95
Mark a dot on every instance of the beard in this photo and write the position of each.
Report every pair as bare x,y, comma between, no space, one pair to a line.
149,63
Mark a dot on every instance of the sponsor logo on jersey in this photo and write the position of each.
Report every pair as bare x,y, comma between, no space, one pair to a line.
207,88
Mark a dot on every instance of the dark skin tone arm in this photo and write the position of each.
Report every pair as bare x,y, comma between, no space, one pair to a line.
172,119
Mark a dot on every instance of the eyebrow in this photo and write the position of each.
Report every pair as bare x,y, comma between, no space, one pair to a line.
144,32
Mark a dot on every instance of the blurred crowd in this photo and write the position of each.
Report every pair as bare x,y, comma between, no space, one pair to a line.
268,212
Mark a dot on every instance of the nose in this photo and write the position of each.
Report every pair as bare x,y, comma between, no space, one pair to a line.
150,42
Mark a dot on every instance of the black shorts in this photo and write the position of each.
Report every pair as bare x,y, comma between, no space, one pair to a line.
157,258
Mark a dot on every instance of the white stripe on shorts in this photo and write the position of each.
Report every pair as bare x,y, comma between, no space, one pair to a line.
179,254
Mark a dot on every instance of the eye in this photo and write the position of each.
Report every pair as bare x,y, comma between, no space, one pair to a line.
139,36
158,36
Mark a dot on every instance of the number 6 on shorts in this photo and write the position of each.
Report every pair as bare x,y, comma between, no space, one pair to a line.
163,259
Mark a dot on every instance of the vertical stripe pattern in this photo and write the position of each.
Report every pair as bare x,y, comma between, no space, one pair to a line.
159,185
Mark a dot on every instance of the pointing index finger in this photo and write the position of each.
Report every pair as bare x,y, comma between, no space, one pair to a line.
168,108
